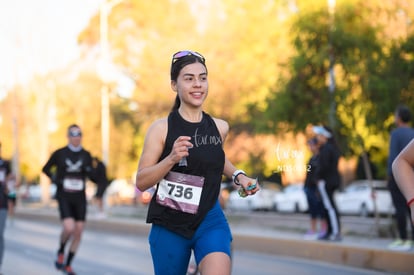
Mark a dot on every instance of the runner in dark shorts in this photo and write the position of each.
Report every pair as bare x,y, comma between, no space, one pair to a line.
68,168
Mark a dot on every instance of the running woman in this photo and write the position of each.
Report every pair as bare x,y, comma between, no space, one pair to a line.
183,156
68,168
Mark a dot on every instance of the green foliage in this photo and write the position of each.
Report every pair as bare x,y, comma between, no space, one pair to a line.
372,76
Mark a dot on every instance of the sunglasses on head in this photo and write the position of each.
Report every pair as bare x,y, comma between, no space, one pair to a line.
181,54
75,133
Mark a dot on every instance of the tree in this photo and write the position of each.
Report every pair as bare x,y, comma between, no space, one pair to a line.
368,84
143,36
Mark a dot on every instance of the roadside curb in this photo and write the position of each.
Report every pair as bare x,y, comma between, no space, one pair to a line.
368,258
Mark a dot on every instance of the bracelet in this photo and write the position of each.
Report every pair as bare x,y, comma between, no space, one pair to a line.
410,202
236,174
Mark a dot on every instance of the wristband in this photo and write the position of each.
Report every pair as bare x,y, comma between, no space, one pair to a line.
236,174
410,202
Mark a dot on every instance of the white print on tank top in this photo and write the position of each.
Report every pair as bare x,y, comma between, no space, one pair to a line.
200,140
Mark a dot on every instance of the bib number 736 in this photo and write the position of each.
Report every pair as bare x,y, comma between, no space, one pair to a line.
179,191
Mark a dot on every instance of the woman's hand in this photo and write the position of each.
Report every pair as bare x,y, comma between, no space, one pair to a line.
248,183
180,148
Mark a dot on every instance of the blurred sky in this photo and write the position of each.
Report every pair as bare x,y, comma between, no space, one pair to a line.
39,35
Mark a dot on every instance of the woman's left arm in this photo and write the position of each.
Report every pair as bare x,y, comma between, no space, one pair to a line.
229,168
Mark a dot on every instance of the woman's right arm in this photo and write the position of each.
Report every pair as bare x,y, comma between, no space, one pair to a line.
150,169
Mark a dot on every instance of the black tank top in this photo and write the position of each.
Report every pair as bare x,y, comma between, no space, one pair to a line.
206,159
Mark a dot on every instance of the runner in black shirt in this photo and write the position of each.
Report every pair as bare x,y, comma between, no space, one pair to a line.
68,168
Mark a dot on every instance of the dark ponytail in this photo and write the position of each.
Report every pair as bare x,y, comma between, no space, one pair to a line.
177,103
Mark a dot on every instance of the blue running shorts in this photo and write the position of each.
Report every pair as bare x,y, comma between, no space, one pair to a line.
171,252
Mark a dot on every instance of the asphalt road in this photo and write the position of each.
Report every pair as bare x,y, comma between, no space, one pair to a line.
31,247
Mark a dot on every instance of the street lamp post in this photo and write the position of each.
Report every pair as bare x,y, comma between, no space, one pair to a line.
332,84
105,110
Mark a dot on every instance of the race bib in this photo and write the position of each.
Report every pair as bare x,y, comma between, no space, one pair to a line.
180,192
72,184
